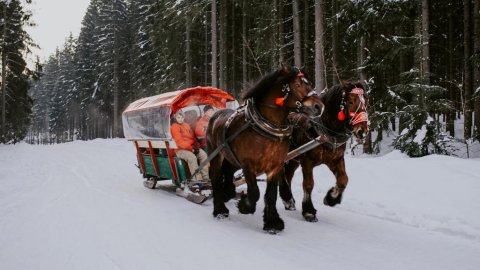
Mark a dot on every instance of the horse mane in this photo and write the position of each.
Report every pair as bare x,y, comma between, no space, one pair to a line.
280,76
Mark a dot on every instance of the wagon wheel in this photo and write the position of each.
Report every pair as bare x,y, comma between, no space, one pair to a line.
150,183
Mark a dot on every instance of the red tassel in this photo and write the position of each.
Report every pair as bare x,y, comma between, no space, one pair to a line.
341,116
279,101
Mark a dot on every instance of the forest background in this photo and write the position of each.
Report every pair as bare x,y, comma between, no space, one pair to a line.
419,60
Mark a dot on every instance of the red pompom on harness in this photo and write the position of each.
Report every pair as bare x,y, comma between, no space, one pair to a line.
279,101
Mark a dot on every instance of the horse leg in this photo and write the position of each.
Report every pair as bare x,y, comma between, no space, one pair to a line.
308,211
220,211
228,186
334,195
248,202
285,185
272,223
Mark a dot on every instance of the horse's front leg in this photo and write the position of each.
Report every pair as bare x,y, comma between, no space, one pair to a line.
248,202
334,195
285,186
308,211
220,211
272,223
228,186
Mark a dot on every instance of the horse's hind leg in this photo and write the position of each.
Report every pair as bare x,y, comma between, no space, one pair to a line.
285,185
248,202
216,175
334,195
272,223
308,211
228,186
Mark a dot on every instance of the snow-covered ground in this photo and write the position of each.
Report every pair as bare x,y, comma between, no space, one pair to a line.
82,205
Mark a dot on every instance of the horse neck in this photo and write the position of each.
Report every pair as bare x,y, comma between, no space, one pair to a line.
330,118
277,116
331,122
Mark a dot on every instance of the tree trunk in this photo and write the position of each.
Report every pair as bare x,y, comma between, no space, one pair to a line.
306,35
188,52
425,53
297,51
274,37
4,73
244,45
361,59
451,116
233,78
281,30
320,76
476,70
214,42
116,56
467,84
223,44
335,79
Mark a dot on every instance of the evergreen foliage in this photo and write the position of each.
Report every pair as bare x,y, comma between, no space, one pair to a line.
134,49
16,78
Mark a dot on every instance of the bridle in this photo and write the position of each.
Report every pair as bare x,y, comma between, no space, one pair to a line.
287,92
355,117
349,119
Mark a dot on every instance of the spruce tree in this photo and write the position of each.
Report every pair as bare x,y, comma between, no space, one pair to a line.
15,43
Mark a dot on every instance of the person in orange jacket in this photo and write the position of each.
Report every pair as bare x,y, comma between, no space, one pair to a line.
201,127
188,149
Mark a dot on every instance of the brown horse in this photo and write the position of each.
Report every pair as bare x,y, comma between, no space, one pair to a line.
256,138
345,113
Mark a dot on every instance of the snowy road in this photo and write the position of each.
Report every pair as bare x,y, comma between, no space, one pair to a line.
82,205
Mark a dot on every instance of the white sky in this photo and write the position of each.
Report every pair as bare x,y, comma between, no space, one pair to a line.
55,20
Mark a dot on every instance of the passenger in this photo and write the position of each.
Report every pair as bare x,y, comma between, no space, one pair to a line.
201,127
188,149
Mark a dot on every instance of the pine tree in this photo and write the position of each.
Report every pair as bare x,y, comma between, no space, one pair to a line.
15,43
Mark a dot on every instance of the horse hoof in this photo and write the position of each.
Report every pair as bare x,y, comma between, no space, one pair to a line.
290,205
310,217
272,231
220,212
330,200
245,207
274,225
221,216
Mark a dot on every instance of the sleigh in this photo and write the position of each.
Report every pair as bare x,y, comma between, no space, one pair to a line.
146,123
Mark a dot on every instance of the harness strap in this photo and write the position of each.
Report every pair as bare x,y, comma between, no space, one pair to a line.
219,148
227,140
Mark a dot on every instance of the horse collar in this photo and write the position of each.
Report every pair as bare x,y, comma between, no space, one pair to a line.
263,126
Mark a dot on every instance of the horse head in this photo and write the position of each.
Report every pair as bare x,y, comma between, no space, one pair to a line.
353,109
298,93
